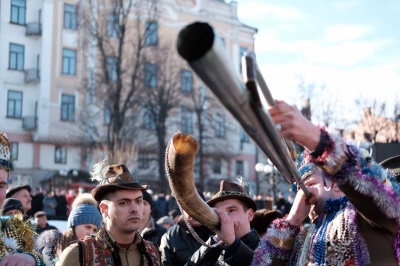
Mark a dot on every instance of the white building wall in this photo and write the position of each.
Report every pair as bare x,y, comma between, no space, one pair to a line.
25,156
46,70
47,152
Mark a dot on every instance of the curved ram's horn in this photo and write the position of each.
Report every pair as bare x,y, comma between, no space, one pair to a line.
179,163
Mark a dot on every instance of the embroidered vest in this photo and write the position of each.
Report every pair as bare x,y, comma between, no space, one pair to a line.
95,252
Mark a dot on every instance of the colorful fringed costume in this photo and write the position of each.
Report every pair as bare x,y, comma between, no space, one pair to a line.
17,236
359,229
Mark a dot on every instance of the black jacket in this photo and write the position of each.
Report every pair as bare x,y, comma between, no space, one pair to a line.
178,244
154,235
239,253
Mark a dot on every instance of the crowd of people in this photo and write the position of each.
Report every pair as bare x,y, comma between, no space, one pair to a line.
347,215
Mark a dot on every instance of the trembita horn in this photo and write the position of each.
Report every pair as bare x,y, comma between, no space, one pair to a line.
201,47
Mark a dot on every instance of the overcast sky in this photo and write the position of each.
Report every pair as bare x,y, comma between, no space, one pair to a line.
348,46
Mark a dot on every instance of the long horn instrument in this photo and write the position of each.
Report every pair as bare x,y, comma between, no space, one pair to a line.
179,162
204,52
251,76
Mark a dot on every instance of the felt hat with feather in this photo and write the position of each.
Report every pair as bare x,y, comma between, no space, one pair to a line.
230,190
112,178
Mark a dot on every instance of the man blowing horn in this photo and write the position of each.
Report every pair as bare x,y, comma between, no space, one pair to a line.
236,240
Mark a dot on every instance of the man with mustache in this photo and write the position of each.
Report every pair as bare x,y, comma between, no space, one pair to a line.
118,241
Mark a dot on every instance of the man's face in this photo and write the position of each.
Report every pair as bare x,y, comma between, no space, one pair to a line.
123,211
41,220
325,191
12,213
24,197
234,209
3,185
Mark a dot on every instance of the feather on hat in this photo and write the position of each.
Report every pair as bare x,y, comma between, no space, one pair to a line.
112,178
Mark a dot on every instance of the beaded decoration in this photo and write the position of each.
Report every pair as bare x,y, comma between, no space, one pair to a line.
17,236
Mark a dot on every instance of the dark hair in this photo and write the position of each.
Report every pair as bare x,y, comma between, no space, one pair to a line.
244,205
262,220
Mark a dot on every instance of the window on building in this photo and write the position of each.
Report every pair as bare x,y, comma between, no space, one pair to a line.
151,34
244,138
14,104
70,17
14,150
186,120
239,168
144,160
186,80
242,50
60,155
148,119
69,62
113,27
67,107
216,166
150,75
111,68
16,57
219,125
18,11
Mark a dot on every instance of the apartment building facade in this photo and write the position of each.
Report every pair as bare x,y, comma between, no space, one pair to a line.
41,71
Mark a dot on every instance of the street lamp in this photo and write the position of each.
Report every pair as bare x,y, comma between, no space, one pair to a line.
270,172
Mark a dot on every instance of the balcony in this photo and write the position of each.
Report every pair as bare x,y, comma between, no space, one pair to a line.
33,29
29,122
32,75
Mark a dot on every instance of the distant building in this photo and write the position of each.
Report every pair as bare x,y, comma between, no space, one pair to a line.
376,129
380,134
42,70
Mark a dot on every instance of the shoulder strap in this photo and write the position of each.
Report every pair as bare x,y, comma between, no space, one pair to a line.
86,252
152,251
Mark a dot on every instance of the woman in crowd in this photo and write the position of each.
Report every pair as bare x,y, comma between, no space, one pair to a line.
84,219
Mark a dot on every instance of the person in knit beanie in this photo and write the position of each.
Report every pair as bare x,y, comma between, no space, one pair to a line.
11,207
84,219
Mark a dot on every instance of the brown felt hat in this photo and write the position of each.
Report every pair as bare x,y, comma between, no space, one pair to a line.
393,165
115,177
230,190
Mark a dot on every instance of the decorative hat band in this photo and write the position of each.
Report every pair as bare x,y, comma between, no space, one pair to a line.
6,165
230,193
305,166
307,170
124,178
